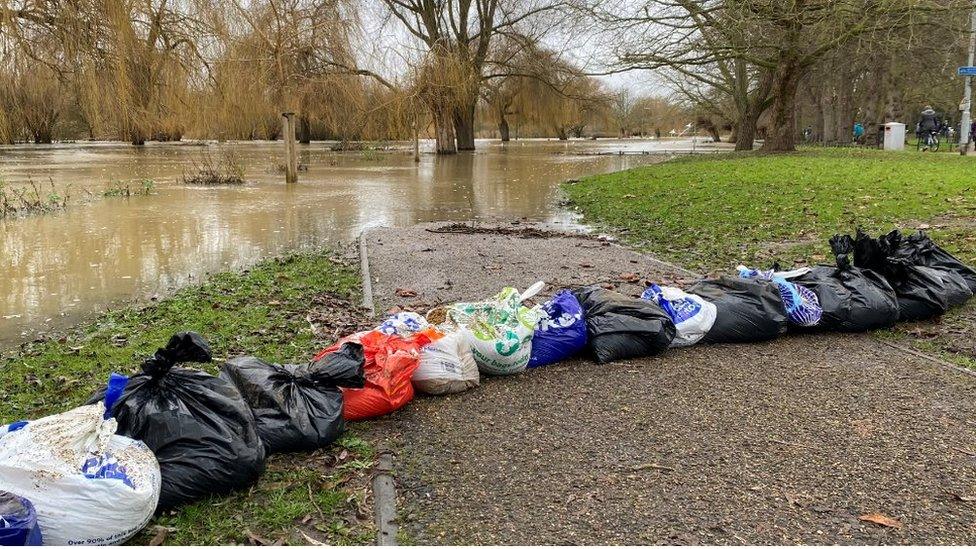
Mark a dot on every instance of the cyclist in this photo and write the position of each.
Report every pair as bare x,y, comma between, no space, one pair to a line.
928,125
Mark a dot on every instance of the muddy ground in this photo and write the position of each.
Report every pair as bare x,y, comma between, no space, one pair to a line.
800,440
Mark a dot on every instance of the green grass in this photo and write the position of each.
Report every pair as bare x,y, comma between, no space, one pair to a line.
717,211
261,311
714,212
295,496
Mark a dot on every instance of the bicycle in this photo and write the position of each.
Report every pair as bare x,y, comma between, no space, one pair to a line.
929,141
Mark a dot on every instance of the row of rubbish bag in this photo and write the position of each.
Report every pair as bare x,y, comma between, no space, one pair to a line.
173,434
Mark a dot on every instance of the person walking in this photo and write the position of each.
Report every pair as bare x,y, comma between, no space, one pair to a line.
928,125
858,133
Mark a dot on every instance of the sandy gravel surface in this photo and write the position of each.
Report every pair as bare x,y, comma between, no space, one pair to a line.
783,442
448,267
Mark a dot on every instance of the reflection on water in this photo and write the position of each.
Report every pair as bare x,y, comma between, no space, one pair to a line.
57,268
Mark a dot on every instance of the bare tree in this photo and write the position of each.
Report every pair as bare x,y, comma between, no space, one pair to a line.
755,51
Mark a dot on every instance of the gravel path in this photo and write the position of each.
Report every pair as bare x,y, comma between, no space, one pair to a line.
784,442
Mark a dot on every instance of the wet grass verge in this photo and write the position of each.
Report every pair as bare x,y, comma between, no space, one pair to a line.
712,213
281,310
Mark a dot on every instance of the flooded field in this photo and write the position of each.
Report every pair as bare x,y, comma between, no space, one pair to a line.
59,267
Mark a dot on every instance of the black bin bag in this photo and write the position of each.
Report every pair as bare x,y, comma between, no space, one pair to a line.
199,427
621,327
919,250
922,292
297,407
853,299
925,252
747,310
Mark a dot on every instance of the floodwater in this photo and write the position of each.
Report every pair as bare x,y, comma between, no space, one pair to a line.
58,268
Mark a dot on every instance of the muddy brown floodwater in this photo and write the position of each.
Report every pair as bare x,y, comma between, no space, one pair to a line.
57,268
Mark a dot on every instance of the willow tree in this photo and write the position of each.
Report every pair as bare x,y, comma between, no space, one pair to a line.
460,34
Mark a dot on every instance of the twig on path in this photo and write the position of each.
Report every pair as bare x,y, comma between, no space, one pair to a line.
965,451
797,444
654,466
311,499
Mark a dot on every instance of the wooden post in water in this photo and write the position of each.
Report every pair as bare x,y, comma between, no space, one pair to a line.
291,148
416,139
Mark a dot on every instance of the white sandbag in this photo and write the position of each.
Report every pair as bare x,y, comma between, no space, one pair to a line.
693,316
447,366
88,485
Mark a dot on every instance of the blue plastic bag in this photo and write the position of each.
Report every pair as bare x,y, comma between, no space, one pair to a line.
801,304
693,316
18,521
560,333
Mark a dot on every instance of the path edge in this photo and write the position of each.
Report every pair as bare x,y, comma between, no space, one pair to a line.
384,500
930,358
364,274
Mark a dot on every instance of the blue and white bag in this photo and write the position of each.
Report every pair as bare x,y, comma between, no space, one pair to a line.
560,332
88,485
801,304
693,317
18,521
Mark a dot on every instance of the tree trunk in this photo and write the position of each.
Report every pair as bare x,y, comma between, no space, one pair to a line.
828,117
136,137
304,130
786,80
734,135
713,130
444,130
818,117
745,130
503,129
561,134
464,126
844,111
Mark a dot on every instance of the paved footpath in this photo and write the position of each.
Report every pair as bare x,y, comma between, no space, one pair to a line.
785,442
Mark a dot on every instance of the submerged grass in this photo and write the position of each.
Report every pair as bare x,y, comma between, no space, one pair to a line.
30,199
712,213
125,189
261,311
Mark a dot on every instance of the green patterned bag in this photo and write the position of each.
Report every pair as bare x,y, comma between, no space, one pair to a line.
500,330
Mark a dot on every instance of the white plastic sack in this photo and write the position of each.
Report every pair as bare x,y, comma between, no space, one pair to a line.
500,330
446,364
693,317
88,485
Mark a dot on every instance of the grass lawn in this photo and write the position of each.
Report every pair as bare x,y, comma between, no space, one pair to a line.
263,311
713,212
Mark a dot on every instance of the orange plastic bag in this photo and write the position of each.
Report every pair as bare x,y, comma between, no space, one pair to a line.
391,361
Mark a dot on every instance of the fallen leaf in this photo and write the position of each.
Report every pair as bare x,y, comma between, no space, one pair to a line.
310,540
630,277
586,265
404,292
879,519
160,536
